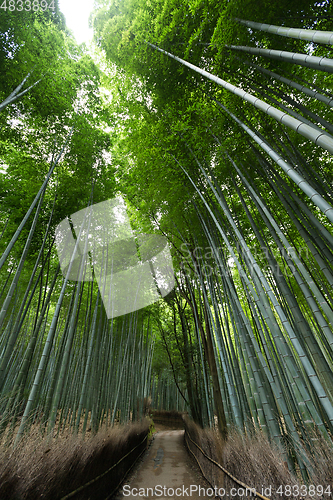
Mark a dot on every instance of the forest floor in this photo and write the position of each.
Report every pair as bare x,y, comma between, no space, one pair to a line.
166,468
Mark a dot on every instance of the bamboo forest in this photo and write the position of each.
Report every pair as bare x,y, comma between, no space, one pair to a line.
199,134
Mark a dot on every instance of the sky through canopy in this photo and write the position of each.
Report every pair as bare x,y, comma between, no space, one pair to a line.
77,13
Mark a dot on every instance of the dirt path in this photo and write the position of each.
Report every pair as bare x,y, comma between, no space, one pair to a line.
167,472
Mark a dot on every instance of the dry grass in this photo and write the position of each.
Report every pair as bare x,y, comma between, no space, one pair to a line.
38,470
322,463
259,464
208,441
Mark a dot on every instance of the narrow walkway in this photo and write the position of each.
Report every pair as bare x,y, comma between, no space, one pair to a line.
167,472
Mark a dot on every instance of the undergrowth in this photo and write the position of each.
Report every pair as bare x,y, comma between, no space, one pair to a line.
261,465
38,469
